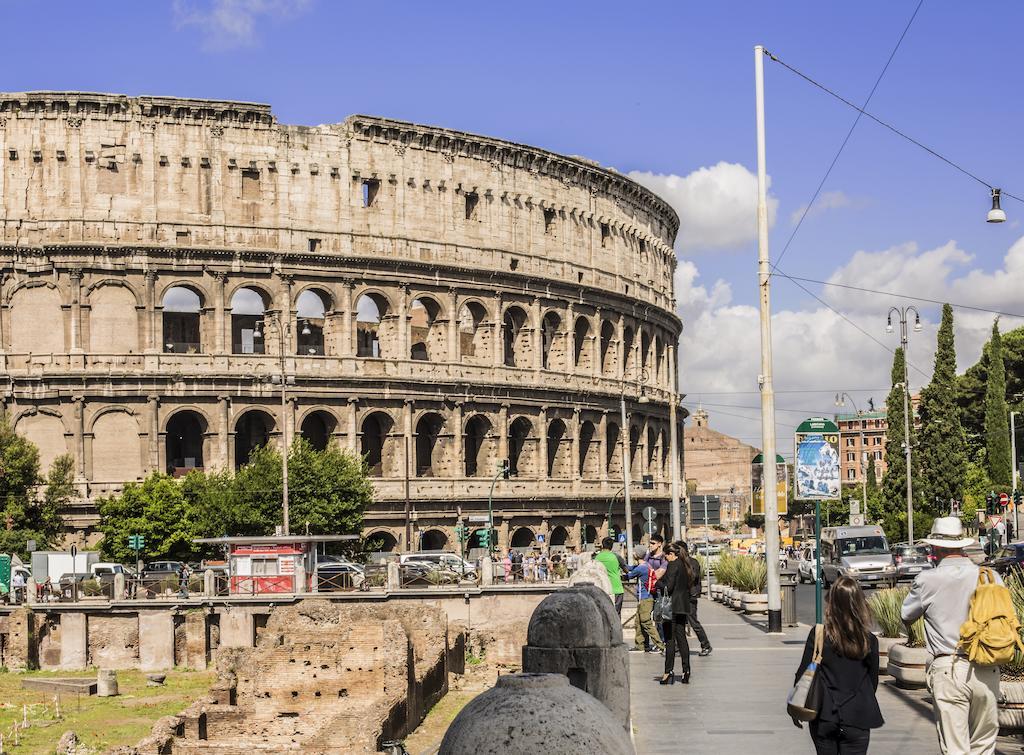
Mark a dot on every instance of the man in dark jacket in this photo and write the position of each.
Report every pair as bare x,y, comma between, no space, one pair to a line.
695,590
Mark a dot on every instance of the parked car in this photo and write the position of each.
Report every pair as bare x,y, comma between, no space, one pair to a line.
339,575
441,560
160,569
910,560
1009,557
805,566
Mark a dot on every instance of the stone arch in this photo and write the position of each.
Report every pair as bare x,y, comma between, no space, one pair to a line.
645,351
609,359
388,542
433,540
653,450
589,536
583,354
249,304
665,453
376,444
253,429
520,443
516,337
613,450
427,333
552,346
523,538
635,449
628,355
36,319
311,308
559,538
660,378
558,461
113,319
181,309
430,445
589,451
195,286
45,428
374,324
184,441
116,446
318,427
478,447
475,338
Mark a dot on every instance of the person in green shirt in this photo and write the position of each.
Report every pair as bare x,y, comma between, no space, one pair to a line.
613,565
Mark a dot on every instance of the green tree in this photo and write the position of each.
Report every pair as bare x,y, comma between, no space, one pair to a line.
971,386
157,509
942,449
997,428
872,475
19,466
329,490
976,486
894,483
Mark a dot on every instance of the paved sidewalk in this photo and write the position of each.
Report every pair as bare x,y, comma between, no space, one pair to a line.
736,700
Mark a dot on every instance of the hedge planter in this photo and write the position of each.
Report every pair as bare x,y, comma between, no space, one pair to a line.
753,602
1011,707
908,666
736,600
716,592
884,645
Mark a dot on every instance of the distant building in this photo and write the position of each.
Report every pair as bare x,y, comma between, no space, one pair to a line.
872,426
717,464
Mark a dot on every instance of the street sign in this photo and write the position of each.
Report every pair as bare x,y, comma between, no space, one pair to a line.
649,512
854,508
650,528
707,509
478,519
856,520
1004,499
994,520
540,538
647,482
622,537
30,546
781,484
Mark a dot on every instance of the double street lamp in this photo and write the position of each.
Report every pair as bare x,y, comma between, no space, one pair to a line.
902,313
841,398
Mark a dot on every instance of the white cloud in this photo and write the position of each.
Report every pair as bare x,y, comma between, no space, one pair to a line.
716,205
829,200
229,24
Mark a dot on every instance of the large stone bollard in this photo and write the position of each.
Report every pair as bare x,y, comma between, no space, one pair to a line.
394,576
486,571
209,583
119,587
592,573
576,632
106,683
526,714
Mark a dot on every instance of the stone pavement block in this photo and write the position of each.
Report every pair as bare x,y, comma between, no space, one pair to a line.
736,701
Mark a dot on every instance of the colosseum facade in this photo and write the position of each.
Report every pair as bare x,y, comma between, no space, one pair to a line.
439,301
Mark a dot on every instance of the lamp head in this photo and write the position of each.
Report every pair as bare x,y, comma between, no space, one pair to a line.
996,214
888,323
305,329
839,400
643,399
917,323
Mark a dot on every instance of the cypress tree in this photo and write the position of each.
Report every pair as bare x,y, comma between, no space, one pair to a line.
872,474
942,451
894,483
997,426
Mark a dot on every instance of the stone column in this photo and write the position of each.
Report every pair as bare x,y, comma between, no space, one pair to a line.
499,341
457,445
570,340
348,320
74,641
575,464
595,344
538,334
76,309
289,323
156,640
79,431
152,335
602,446
403,321
353,426
408,445
292,410
620,347
454,347
542,444
153,405
224,431
221,327
503,432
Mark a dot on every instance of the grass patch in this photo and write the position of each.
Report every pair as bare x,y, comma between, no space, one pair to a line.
99,722
428,735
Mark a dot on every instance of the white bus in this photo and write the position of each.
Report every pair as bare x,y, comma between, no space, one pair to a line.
858,552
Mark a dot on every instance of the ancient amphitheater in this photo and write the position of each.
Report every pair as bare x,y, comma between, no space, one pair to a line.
439,300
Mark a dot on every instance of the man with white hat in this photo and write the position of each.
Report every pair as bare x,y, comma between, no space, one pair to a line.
964,695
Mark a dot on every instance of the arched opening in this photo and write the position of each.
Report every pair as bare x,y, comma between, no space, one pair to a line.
427,334
518,436
247,309
551,350
514,332
653,451
317,428
182,309
184,443
474,338
612,451
252,430
628,357
312,315
659,362
638,533
113,320
382,542
581,345
371,309
523,538
665,453
589,537
429,448
375,441
634,453
608,355
478,447
433,540
589,463
559,538
559,464
645,349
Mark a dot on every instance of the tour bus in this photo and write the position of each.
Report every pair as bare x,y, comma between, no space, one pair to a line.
858,552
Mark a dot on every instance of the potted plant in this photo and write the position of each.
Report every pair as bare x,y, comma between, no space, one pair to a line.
908,660
1011,679
754,578
885,606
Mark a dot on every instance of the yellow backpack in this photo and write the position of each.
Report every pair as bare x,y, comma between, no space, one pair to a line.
991,634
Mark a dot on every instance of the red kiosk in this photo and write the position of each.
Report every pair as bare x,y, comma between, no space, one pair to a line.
273,563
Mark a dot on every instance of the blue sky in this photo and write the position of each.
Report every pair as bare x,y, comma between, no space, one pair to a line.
664,89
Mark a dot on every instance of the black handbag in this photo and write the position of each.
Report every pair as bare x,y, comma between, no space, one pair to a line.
662,608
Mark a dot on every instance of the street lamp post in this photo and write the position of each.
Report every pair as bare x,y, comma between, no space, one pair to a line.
1014,475
840,398
626,438
902,313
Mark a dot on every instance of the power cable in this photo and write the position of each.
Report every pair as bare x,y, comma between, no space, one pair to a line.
860,113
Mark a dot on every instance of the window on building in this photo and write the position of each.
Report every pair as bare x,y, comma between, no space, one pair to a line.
877,441
550,214
643,248
851,474
250,184
314,245
851,457
370,188
878,455
472,200
606,235
851,442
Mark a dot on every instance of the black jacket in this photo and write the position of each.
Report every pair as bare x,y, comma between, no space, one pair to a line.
696,587
849,691
677,584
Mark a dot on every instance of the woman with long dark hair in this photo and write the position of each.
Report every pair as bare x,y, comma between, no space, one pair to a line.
676,583
849,674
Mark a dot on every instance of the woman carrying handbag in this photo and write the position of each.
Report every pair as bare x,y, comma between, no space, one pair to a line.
847,673
673,612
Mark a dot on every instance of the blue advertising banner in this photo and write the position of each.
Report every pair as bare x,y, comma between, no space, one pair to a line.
817,460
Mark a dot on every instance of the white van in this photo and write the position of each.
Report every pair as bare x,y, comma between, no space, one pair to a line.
441,560
858,552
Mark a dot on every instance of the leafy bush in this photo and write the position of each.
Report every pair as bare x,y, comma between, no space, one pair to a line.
744,573
1015,584
92,588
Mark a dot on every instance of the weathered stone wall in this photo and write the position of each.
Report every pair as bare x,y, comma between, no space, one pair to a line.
472,300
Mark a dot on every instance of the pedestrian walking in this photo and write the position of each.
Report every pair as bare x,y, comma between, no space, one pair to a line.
695,592
964,694
506,562
677,581
849,673
183,574
530,563
646,634
572,561
517,566
17,587
542,567
610,561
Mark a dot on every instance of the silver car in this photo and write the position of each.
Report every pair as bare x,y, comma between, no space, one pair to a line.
910,560
806,564
861,553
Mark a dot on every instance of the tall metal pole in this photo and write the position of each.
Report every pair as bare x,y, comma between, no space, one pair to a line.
673,442
626,438
771,503
906,432
863,450
282,330
1013,478
817,563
